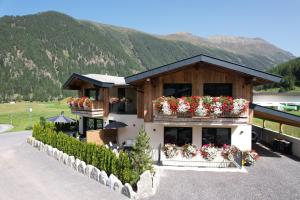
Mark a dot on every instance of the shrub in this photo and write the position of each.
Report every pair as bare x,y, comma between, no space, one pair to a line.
141,158
99,156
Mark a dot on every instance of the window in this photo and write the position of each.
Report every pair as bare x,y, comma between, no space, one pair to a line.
217,89
93,94
178,90
126,103
216,136
178,135
92,123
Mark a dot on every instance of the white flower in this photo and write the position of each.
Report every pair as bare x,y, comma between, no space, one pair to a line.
166,108
182,106
238,106
201,111
217,108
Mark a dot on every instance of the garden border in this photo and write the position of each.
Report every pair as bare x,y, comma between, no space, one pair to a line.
146,186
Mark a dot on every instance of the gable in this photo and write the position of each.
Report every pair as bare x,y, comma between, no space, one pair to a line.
240,69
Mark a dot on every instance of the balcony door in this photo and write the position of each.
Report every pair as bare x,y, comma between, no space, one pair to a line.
92,93
216,136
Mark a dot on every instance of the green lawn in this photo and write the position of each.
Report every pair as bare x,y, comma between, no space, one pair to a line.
19,115
289,130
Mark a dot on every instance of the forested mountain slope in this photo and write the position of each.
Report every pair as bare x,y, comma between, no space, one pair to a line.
38,53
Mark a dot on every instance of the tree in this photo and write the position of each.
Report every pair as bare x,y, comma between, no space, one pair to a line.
141,157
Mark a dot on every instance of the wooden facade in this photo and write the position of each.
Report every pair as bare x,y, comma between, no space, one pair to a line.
197,75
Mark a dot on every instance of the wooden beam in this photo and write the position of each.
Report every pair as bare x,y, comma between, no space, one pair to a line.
264,123
148,101
280,128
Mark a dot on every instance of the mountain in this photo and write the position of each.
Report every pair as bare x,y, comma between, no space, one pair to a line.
255,48
38,53
291,72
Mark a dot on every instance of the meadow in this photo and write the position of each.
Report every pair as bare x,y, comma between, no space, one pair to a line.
19,116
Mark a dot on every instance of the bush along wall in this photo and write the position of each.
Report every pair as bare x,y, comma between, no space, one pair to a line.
98,156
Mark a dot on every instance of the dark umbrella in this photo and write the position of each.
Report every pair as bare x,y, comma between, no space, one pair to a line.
115,125
61,119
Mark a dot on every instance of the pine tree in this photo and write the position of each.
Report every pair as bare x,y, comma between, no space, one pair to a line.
141,158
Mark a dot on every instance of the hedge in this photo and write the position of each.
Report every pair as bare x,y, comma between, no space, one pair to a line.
96,155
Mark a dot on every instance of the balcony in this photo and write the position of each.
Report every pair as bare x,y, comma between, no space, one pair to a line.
201,110
85,107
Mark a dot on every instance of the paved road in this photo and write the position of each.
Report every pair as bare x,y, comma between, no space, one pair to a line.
26,173
273,177
5,127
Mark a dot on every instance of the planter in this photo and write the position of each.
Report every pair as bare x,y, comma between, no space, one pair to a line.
184,115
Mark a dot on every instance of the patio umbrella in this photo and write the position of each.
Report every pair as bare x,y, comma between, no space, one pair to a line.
61,119
115,125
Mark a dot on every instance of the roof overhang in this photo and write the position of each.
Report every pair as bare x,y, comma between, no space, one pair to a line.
275,115
69,84
207,59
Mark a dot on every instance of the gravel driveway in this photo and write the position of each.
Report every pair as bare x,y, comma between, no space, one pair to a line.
273,177
26,173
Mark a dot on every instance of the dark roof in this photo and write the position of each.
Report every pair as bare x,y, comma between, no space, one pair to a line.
275,115
207,59
87,79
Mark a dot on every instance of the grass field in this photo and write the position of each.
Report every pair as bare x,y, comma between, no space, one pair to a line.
289,130
18,114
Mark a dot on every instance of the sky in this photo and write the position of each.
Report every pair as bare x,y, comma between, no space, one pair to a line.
276,21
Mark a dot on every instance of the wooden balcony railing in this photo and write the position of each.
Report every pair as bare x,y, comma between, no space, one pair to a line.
96,109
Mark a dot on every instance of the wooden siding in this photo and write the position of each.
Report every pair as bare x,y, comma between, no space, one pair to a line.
197,75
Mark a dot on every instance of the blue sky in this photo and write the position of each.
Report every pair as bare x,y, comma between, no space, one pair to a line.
275,21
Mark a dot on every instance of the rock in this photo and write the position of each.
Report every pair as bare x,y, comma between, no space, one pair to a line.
111,181
71,160
75,164
155,180
41,146
95,174
128,191
30,140
117,185
65,158
88,170
49,150
81,167
60,157
103,177
35,143
54,153
144,185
